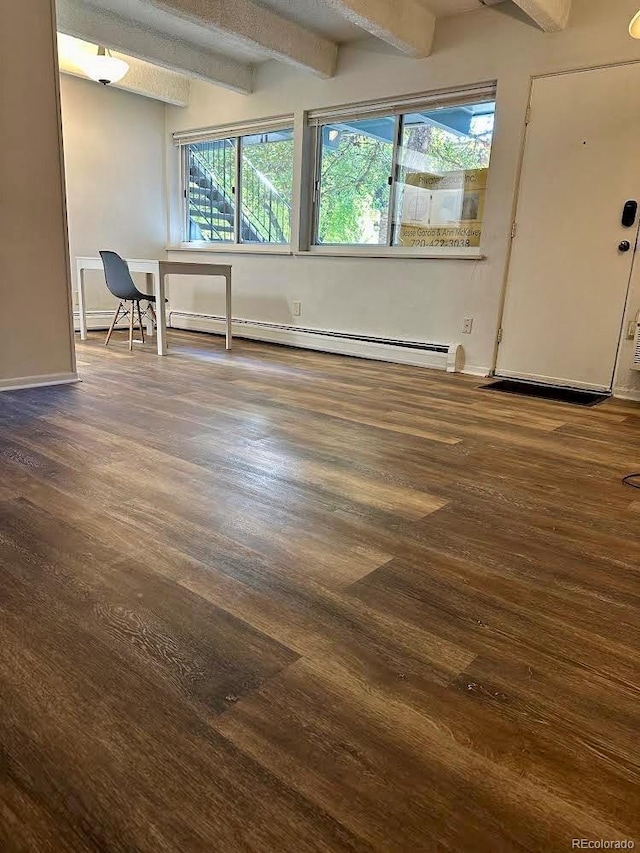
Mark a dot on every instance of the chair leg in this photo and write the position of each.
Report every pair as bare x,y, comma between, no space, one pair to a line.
113,324
131,327
140,321
153,314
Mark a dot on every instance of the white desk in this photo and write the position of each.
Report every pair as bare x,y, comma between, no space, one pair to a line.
158,270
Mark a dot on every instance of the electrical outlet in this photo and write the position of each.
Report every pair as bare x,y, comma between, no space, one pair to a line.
631,330
467,325
297,307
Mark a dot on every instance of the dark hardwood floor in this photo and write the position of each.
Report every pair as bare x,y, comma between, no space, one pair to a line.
275,600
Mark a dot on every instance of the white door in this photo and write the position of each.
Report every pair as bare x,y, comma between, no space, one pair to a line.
569,275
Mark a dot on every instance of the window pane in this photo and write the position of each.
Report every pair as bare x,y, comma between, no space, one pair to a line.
267,186
355,167
211,202
443,166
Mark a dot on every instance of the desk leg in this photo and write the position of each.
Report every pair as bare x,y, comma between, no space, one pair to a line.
149,321
228,310
82,309
161,312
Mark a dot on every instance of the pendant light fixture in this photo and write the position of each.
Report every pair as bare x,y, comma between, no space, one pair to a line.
634,26
104,68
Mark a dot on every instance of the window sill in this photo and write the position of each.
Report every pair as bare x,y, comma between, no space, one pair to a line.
231,248
396,253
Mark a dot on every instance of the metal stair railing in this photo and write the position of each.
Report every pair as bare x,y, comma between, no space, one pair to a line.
263,206
210,192
265,213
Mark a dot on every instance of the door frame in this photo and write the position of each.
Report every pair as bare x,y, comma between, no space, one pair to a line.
514,211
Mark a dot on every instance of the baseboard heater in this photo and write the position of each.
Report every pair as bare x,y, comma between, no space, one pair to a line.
98,320
447,357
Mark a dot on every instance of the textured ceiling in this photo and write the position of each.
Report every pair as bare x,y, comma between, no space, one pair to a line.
179,28
455,7
316,15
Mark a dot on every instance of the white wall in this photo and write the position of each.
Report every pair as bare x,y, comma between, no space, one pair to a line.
627,382
424,299
114,146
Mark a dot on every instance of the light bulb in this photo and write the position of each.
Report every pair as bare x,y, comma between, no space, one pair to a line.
634,26
104,68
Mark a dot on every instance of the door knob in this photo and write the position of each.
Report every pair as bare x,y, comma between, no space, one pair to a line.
624,246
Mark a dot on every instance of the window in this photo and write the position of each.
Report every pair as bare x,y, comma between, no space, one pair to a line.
407,175
210,192
238,188
414,179
356,160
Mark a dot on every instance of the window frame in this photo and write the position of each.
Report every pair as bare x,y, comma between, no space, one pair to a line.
237,133
399,108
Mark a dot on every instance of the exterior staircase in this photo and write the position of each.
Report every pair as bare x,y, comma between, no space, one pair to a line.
264,215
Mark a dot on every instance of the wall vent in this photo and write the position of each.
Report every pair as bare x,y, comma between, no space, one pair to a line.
635,364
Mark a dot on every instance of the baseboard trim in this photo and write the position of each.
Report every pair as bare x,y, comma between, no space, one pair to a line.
627,394
421,354
550,380
38,381
476,370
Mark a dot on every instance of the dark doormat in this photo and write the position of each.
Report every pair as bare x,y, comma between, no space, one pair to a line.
546,392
